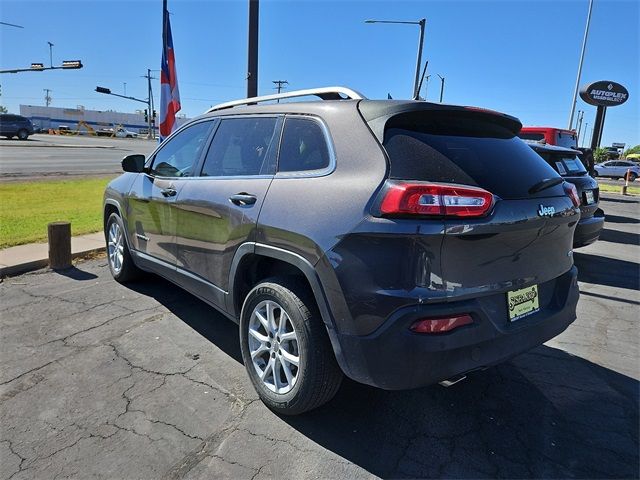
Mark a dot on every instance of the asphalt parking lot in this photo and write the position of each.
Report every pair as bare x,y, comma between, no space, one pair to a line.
98,380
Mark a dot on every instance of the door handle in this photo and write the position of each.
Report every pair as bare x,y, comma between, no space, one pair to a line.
169,192
243,199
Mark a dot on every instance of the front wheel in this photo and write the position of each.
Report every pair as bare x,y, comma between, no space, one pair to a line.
632,176
23,134
120,262
285,348
595,173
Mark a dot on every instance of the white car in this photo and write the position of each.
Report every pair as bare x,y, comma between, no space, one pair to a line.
617,169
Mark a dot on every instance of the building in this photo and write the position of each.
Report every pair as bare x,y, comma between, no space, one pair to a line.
52,117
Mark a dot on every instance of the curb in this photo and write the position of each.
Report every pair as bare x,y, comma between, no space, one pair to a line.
19,269
55,145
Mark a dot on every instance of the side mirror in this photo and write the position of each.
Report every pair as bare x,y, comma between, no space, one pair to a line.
133,163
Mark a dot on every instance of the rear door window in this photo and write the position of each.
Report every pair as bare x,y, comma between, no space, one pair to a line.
457,148
303,147
242,146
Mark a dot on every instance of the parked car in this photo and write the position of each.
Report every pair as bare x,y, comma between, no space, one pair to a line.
401,243
15,126
550,135
612,153
617,169
565,161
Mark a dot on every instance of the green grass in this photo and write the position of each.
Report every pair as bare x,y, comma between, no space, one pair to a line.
618,189
27,207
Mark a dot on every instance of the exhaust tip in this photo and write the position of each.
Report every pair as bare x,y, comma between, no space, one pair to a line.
452,381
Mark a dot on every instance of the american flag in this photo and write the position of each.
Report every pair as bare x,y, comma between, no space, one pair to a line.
169,94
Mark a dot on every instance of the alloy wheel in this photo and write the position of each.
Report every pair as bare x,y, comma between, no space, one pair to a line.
115,247
273,346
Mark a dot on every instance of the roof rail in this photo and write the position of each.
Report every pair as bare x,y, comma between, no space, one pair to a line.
325,93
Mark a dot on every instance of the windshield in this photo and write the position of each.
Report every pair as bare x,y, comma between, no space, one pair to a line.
565,139
565,164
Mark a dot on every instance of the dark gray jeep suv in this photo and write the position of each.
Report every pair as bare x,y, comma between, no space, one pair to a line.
401,243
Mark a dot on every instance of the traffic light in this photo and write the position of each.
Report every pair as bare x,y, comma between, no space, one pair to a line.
154,115
37,66
146,115
103,90
71,64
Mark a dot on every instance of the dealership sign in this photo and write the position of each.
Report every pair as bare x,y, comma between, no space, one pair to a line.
604,94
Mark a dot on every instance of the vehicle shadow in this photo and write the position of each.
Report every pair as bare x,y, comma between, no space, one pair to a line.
618,236
545,413
607,271
617,200
621,219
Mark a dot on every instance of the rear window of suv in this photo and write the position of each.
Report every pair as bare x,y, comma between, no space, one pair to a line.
452,147
564,164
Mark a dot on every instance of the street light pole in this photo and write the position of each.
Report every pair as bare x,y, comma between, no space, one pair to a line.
441,86
50,54
422,22
584,46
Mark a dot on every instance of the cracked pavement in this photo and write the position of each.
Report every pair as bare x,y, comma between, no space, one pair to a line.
99,380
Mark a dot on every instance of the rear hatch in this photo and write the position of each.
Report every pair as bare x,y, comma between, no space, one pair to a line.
570,167
523,237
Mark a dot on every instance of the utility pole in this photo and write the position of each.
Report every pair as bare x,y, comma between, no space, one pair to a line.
441,86
125,89
47,97
584,46
151,133
50,54
252,54
279,85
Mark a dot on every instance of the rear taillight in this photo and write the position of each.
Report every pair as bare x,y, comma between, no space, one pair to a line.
432,199
440,325
571,191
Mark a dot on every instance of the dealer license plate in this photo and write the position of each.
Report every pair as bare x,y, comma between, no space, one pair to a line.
589,196
522,303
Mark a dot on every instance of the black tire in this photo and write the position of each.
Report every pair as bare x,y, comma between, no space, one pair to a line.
23,134
595,174
632,176
127,270
318,376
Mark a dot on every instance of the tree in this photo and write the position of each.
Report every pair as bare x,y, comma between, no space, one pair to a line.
3,109
600,154
631,150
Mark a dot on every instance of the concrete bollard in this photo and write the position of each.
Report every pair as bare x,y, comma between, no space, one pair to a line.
59,245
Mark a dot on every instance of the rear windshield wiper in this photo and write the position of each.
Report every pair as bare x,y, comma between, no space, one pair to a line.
544,184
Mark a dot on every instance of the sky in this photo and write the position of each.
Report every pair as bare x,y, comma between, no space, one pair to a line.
519,57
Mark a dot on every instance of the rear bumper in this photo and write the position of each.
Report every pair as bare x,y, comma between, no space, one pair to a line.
394,358
588,229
